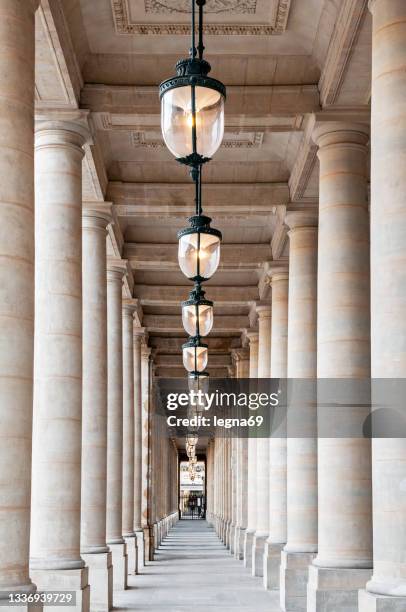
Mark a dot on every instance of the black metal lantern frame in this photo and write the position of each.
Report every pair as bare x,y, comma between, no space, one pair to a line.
197,299
193,72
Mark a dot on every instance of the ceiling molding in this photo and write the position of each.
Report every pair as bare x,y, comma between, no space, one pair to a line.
52,21
343,41
123,25
304,165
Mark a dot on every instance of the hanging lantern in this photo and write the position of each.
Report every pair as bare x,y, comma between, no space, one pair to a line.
195,355
192,105
199,249
191,439
199,381
197,313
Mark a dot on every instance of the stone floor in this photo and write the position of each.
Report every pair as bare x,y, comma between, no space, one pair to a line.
194,572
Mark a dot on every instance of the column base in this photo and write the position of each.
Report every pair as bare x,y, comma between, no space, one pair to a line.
140,549
258,548
239,543
294,574
248,542
369,602
120,566
100,580
131,544
272,565
75,580
335,588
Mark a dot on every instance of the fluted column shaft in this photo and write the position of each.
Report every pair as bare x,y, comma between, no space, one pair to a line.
388,295
262,444
277,445
343,351
17,59
56,495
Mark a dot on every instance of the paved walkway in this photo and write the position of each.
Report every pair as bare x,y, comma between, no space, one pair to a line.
194,572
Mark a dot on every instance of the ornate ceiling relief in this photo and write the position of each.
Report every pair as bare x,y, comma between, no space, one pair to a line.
213,6
235,140
278,18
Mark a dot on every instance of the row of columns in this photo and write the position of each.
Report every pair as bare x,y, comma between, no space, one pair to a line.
331,510
73,392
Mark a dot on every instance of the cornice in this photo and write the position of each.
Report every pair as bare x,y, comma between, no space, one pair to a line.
123,25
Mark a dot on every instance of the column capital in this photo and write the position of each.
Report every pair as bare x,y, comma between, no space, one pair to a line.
278,272
327,133
96,215
129,307
264,309
62,128
145,352
302,219
116,269
231,371
240,354
252,335
140,332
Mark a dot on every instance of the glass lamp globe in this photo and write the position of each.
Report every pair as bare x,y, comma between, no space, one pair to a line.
192,112
197,313
195,355
199,249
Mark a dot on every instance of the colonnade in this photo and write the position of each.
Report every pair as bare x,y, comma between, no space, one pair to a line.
73,507
331,511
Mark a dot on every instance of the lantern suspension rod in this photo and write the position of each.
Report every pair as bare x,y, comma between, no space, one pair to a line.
193,50
201,4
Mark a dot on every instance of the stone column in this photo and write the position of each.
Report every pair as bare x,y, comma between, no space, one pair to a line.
241,470
57,434
343,563
17,59
139,333
145,377
129,308
387,589
277,445
262,444
301,543
252,463
115,540
95,553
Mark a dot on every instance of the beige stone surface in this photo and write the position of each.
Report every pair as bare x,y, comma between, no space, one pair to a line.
388,293
16,287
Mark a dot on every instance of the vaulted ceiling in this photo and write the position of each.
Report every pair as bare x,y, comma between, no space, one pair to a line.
285,63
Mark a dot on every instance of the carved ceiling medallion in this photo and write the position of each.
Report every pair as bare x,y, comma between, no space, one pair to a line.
212,6
234,141
279,10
